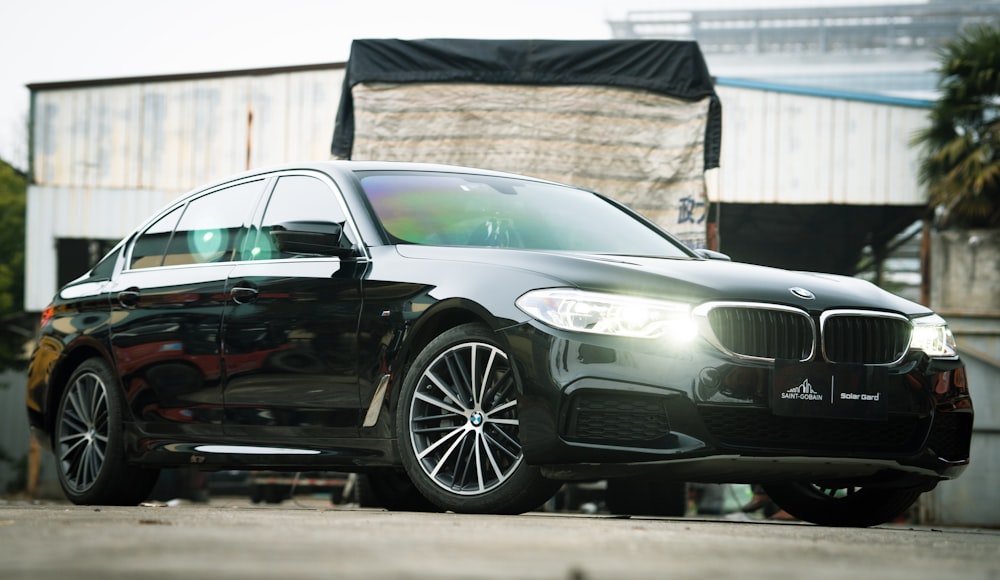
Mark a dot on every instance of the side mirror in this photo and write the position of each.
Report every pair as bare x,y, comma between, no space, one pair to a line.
309,238
712,255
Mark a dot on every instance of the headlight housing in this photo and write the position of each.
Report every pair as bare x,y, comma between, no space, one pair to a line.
609,314
932,335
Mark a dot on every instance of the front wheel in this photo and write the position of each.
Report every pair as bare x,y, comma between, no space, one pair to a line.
842,506
458,427
89,443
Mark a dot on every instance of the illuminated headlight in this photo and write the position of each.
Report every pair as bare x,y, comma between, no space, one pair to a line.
931,335
609,314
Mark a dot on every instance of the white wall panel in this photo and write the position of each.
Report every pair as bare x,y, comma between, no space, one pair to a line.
173,135
59,212
780,147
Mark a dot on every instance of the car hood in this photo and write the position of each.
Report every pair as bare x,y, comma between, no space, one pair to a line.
689,279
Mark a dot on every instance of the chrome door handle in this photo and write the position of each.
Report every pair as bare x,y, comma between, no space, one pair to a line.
243,294
129,298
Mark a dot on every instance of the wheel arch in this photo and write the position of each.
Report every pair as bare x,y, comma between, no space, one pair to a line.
60,379
437,320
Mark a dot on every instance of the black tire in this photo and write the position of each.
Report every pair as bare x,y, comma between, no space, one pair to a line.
275,493
646,498
858,507
458,430
89,443
392,489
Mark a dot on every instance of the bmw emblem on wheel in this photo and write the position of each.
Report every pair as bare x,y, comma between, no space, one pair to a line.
476,419
802,293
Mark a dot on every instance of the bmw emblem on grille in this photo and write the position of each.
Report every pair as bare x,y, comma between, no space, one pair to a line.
802,293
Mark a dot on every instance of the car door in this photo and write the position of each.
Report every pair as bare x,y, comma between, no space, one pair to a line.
167,306
290,328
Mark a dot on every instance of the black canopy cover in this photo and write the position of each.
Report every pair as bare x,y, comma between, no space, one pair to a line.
673,68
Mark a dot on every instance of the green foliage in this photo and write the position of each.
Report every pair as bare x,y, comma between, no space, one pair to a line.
12,207
960,158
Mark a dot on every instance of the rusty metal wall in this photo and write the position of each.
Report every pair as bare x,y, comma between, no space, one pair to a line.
784,145
106,155
172,135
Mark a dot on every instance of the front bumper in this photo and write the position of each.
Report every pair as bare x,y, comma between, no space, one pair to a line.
595,407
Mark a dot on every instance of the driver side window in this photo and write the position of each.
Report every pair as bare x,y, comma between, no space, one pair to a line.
296,199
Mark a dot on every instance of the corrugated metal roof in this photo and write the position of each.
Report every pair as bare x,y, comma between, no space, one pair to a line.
84,83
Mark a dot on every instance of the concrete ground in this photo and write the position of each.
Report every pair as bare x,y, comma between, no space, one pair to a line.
308,538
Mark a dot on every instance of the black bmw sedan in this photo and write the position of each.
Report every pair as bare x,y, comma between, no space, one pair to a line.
472,339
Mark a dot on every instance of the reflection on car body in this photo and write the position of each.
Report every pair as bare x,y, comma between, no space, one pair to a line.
472,339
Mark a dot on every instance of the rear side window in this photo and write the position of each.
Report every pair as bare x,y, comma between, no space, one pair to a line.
152,244
208,230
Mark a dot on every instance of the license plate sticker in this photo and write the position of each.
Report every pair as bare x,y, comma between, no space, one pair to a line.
819,389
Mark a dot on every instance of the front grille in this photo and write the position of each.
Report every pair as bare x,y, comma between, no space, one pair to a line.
617,418
770,332
865,339
755,428
762,333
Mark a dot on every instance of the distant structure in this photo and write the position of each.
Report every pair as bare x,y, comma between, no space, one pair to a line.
882,49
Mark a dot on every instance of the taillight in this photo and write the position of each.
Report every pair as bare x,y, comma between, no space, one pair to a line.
47,315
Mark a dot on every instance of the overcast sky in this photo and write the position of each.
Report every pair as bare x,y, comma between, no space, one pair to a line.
62,40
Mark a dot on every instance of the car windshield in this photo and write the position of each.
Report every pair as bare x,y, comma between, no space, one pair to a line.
456,209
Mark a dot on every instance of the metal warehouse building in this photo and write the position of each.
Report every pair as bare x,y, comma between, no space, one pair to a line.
105,154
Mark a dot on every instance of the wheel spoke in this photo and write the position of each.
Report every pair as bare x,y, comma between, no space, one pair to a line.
83,412
481,394
512,454
439,404
444,389
76,441
459,374
456,431
434,429
473,389
98,401
446,454
493,460
479,463
508,405
90,465
72,422
498,390
512,422
464,459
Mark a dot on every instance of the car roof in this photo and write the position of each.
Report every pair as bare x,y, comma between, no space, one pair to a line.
342,166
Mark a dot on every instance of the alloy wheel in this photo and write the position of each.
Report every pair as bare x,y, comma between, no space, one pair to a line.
463,419
83,432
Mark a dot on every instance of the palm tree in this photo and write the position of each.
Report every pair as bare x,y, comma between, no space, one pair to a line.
960,158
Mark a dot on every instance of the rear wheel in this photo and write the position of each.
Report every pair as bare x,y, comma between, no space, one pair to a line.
842,506
391,489
458,427
646,497
89,444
